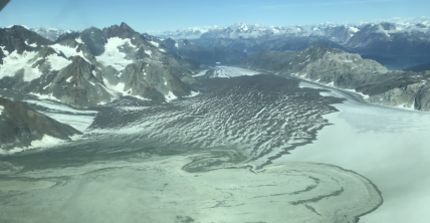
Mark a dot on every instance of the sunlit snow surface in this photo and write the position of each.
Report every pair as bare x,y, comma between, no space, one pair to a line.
69,51
388,146
15,62
229,71
78,119
113,56
215,158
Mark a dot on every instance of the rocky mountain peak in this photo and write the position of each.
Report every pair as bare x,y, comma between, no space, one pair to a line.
121,31
94,39
125,26
20,39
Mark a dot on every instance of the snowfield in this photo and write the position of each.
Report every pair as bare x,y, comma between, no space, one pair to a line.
69,51
230,71
15,62
113,56
386,145
78,119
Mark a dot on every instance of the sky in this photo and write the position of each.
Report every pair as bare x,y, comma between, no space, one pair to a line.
161,15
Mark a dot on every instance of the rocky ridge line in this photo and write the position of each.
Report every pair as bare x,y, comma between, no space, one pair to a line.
338,68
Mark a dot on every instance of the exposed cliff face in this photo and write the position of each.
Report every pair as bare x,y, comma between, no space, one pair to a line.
95,40
349,71
20,126
320,63
77,86
409,90
94,66
152,81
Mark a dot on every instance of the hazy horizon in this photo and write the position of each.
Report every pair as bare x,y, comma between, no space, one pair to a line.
152,16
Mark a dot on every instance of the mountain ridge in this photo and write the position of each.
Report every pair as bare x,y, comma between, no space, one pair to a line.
94,66
404,42
334,67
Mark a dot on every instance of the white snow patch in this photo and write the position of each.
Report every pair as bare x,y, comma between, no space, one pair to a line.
119,88
5,52
14,62
112,56
32,45
176,45
229,71
78,119
149,52
365,96
154,43
46,142
170,96
353,29
162,50
45,97
68,51
193,94
1,109
44,88
201,73
58,62
79,40
59,107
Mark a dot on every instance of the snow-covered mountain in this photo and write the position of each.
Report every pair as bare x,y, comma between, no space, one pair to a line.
396,43
93,67
189,33
254,31
49,33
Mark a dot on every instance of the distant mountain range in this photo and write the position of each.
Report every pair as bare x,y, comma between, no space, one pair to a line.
338,32
189,33
50,33
397,44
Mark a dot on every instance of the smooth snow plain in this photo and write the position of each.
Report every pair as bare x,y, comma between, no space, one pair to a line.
388,146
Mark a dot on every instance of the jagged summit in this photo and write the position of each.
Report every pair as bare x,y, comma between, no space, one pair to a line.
121,31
